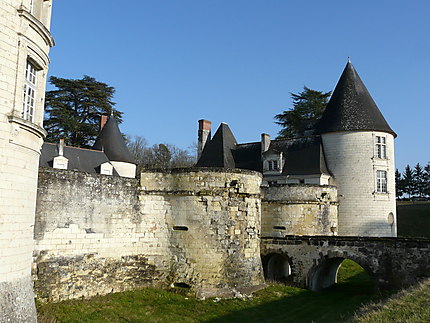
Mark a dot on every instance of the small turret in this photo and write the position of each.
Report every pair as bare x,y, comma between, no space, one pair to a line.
111,141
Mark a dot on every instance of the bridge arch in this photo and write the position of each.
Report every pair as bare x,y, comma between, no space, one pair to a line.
277,267
325,273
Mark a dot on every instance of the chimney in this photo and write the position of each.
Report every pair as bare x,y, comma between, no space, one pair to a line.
265,142
60,162
203,136
103,120
61,148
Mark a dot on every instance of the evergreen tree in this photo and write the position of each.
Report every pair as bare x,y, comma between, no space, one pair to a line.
427,180
308,107
399,184
73,110
418,180
408,178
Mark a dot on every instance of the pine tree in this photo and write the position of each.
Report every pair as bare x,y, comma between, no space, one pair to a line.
408,185
308,107
73,110
418,181
399,184
427,180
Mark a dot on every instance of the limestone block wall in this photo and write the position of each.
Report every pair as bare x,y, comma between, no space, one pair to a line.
97,234
214,227
94,235
296,209
350,157
23,38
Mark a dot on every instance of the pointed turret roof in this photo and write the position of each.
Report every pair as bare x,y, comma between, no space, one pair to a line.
351,107
111,141
218,151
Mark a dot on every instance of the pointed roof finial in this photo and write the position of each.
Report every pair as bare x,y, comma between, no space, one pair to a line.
349,59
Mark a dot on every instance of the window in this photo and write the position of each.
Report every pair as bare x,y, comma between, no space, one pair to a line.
273,165
381,147
381,181
31,6
29,93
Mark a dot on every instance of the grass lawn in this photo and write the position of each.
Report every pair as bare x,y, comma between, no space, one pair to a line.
277,303
412,305
413,219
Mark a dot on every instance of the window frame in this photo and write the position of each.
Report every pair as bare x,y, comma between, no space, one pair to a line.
381,147
30,92
381,181
31,7
273,165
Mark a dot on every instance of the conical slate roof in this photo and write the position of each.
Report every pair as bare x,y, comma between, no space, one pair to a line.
218,151
111,141
351,107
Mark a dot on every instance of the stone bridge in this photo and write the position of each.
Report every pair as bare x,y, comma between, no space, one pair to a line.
313,261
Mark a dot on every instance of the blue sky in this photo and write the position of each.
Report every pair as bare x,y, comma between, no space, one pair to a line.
174,62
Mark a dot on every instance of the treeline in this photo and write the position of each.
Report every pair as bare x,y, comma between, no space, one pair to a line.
159,156
414,183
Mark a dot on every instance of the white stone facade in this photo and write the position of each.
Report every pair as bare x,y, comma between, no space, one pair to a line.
352,158
25,41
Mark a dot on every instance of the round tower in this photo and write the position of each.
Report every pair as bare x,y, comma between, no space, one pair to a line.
359,150
26,40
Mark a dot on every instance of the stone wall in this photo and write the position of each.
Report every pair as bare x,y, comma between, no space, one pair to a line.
314,261
296,209
97,234
351,158
23,39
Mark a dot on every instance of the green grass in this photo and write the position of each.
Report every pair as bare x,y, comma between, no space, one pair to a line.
413,219
277,303
410,306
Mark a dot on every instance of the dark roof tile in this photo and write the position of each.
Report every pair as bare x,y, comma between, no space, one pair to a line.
351,107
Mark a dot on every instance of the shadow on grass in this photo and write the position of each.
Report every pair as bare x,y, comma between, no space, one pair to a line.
335,304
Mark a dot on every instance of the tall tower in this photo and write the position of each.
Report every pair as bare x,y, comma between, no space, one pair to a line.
25,43
359,149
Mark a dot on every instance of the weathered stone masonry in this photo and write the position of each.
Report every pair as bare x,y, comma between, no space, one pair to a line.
314,260
96,234
299,209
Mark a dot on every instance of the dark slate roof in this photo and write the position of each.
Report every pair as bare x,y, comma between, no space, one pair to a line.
351,107
305,157
218,151
111,141
84,160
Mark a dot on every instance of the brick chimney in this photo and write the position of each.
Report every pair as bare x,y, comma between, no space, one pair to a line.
103,120
265,142
203,136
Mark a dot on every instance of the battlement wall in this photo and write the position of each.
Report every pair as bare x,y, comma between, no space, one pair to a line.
97,234
298,209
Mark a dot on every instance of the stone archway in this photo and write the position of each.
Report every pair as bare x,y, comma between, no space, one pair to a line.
276,267
326,273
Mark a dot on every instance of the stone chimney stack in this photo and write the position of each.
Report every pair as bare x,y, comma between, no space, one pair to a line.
265,142
103,120
203,136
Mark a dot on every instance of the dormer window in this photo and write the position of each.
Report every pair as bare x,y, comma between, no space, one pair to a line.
273,165
381,147
29,103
